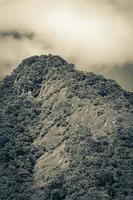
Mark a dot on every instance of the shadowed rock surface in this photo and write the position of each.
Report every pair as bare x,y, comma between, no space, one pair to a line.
64,134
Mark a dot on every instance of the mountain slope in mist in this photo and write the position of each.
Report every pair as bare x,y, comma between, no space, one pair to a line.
64,134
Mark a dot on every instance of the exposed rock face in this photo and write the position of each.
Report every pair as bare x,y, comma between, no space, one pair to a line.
64,134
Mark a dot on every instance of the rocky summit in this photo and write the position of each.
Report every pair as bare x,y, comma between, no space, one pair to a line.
64,134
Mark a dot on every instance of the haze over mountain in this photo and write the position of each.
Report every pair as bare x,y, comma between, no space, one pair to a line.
95,35
64,134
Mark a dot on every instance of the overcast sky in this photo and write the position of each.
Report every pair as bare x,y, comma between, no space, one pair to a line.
96,35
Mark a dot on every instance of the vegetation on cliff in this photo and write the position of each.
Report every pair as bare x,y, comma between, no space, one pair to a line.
64,134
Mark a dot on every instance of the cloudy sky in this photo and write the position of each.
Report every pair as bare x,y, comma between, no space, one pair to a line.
96,35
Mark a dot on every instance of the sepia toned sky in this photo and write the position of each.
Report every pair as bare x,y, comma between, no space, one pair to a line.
96,35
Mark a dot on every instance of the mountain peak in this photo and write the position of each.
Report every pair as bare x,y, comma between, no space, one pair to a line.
36,70
54,59
64,134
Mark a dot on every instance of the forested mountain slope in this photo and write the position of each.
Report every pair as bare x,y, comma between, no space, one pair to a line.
64,134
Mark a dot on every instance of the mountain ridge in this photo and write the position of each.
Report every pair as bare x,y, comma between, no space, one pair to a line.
48,62
65,134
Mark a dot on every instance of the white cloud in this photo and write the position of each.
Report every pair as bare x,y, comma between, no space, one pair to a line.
96,35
